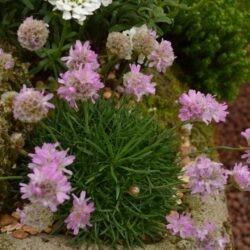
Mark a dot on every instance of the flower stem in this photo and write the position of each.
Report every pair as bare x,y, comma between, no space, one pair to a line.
10,178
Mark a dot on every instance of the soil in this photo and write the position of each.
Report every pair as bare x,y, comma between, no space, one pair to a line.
229,134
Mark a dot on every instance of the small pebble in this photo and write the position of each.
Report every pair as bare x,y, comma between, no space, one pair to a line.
19,234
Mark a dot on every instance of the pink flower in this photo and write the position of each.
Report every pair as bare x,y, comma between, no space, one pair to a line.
80,215
241,175
80,85
197,106
162,56
246,134
137,83
31,105
207,239
48,155
206,177
36,216
81,54
180,224
33,34
47,186
6,61
246,156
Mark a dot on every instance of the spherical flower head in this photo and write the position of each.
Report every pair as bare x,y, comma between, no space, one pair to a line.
81,54
17,140
206,177
80,85
137,83
80,214
36,216
119,45
33,34
48,155
246,134
193,105
241,175
214,110
144,43
197,106
31,105
47,187
180,224
6,61
7,99
162,56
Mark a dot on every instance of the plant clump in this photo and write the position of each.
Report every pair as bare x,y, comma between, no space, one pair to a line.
211,40
116,148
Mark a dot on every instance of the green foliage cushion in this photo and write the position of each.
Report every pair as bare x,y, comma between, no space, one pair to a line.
210,41
117,147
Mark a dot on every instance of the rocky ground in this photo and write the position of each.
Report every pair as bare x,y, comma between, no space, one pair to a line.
229,134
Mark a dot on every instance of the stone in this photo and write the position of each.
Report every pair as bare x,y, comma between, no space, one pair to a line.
19,234
6,220
30,230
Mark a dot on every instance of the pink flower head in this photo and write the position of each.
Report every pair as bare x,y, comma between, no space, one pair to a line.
31,105
241,176
197,106
162,56
48,155
137,83
206,176
246,156
180,224
80,214
207,239
47,186
246,134
80,85
6,60
81,54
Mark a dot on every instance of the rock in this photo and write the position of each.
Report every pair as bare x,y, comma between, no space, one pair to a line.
8,229
48,230
19,234
30,230
15,215
6,220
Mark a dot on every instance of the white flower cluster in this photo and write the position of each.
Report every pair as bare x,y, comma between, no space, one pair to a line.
78,9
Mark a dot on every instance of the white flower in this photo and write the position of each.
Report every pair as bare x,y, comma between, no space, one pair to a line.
78,9
106,2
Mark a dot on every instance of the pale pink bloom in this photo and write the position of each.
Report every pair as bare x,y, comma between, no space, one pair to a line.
48,155
246,134
80,85
137,83
36,216
33,34
206,238
180,224
81,54
246,156
162,56
6,60
197,106
80,214
31,105
241,174
47,186
206,177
